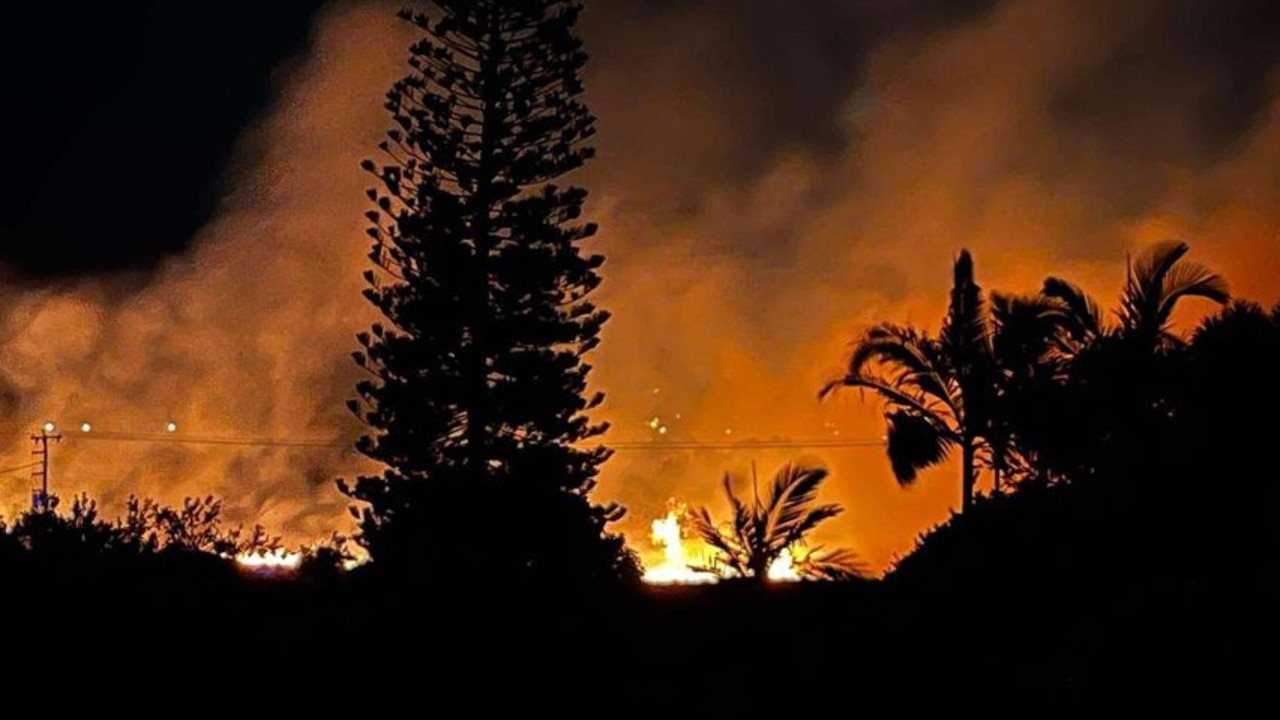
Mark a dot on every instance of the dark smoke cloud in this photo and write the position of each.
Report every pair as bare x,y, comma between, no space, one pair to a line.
773,177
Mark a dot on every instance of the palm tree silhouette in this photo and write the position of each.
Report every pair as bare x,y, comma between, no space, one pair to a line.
1081,322
1113,379
1155,283
759,532
991,376
1028,362
938,391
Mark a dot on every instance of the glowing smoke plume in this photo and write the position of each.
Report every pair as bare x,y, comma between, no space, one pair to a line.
770,180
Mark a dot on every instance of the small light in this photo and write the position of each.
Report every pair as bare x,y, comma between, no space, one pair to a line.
86,427
728,431
50,427
657,391
171,427
662,430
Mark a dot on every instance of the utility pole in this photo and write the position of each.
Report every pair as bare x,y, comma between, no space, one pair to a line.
40,496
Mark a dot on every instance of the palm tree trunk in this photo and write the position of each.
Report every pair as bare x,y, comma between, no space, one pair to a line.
760,569
970,472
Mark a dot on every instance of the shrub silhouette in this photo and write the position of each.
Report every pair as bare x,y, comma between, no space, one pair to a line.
147,528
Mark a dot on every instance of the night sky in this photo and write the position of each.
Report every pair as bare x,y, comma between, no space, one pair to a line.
122,117
181,226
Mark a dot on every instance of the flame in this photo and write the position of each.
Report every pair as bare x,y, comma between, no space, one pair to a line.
274,561
675,568
783,569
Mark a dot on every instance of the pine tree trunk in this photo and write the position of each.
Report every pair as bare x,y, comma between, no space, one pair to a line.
482,202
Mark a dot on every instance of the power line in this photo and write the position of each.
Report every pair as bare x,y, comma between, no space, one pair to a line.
640,445
316,444
746,444
28,466
198,440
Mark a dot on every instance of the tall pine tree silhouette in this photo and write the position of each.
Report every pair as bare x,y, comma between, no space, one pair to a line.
476,401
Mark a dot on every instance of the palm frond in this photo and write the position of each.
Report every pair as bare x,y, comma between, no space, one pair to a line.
728,550
742,526
796,489
898,398
809,520
1024,329
891,344
964,330
1144,286
700,524
1082,319
1156,282
915,443
793,485
1155,263
1188,280
839,564
911,369
1019,310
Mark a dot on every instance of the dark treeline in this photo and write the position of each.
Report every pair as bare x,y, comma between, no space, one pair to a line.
1166,434
1131,529
1120,502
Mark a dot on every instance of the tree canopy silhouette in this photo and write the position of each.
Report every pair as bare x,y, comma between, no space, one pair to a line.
1117,383
1030,386
938,390
760,531
476,399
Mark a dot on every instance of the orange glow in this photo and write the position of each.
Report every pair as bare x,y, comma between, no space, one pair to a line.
734,292
676,567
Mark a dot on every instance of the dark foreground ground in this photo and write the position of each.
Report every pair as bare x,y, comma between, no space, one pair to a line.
805,648
1098,593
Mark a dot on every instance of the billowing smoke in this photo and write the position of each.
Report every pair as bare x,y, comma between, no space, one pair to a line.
245,336
772,178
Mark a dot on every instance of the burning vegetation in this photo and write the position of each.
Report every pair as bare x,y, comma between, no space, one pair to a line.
765,539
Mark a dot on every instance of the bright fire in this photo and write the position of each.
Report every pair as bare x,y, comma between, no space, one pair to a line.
675,567
783,569
276,560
